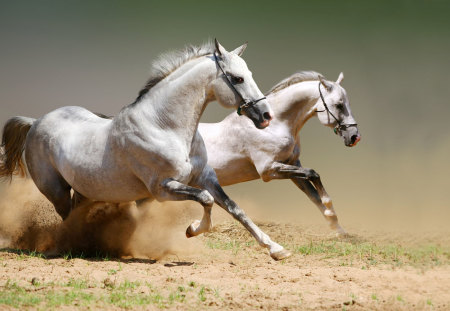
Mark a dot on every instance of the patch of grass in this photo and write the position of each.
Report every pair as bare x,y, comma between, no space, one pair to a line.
124,296
24,254
75,292
112,271
59,298
17,296
126,299
77,284
201,294
373,253
36,254
68,255
128,285
177,296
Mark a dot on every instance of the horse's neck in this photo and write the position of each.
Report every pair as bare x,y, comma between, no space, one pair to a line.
177,102
294,105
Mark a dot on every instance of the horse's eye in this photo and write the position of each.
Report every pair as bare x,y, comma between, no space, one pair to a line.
236,80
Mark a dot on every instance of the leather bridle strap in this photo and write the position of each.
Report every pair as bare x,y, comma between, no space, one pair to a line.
244,104
340,126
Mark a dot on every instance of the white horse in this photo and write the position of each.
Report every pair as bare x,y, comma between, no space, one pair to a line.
238,152
151,149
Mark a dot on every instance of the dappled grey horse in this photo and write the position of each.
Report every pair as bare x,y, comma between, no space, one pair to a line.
151,149
273,153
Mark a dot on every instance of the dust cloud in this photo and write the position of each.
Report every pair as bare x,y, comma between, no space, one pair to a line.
28,221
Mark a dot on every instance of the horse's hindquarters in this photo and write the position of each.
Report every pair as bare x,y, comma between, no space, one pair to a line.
69,148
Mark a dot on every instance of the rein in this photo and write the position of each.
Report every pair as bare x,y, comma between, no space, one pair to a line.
340,126
244,104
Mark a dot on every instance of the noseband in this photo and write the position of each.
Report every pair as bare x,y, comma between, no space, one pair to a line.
244,104
340,126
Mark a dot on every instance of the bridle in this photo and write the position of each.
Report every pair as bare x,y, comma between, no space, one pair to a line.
340,126
244,104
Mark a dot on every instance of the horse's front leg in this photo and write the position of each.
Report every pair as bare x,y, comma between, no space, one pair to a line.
313,195
209,181
177,191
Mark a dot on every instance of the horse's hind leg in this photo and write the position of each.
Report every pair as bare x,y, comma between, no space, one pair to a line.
55,189
58,193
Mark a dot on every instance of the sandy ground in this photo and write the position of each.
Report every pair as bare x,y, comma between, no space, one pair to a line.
244,277
139,258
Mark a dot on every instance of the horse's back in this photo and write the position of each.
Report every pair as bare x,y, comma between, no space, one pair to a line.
71,115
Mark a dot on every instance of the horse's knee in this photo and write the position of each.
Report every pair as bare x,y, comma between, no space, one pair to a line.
268,175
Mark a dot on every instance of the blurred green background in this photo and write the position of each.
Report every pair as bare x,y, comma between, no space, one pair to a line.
394,54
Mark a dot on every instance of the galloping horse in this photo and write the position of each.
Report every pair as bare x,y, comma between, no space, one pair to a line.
273,153
151,149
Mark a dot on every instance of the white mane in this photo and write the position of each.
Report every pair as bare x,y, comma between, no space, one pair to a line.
295,78
169,62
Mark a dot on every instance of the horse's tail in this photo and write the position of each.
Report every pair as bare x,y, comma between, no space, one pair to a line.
13,144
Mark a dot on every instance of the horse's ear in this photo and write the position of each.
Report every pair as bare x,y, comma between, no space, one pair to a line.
340,78
240,50
220,50
326,83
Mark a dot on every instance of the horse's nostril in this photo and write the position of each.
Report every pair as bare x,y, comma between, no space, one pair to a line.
354,138
267,116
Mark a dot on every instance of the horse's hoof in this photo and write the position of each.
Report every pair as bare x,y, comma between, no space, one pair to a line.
281,254
191,230
342,235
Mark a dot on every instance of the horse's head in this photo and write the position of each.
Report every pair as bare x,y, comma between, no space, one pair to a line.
235,87
333,110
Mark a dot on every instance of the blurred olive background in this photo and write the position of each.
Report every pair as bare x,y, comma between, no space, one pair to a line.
394,54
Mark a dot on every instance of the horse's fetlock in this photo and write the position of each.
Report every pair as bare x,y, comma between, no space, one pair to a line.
327,202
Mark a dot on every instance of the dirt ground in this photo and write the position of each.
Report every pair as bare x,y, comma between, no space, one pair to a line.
139,258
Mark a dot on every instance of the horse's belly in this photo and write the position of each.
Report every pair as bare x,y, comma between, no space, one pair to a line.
121,190
111,184
233,172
